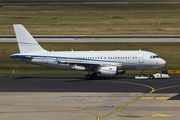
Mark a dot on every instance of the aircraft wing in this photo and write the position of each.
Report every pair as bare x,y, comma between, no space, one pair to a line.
93,65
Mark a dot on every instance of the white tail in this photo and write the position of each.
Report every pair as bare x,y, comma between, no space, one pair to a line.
25,41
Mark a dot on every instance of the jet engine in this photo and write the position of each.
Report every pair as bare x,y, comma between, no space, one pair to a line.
109,71
75,67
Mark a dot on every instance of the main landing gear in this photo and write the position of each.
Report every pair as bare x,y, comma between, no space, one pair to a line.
91,76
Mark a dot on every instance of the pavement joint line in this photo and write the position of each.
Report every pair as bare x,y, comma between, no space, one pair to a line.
155,98
68,111
97,96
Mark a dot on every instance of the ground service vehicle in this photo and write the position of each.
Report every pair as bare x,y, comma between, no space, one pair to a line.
163,74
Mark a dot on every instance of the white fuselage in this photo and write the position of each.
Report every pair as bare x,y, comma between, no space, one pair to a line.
124,60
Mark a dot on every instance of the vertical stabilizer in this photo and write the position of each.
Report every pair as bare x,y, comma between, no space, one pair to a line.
25,41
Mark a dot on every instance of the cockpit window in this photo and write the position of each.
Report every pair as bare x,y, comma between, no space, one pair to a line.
154,56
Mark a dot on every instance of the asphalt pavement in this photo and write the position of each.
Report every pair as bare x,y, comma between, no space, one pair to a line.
78,83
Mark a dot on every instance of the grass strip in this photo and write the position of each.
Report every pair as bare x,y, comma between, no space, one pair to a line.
103,19
27,1
167,51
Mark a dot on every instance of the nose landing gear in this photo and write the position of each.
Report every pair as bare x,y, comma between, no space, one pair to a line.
142,76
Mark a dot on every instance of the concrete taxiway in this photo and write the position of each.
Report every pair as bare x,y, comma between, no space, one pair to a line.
97,38
68,97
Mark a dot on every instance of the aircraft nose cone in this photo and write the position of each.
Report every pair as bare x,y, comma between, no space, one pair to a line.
162,62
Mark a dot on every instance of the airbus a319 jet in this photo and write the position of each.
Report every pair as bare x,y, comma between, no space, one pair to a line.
107,63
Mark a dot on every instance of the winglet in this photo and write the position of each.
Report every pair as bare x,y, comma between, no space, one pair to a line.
25,41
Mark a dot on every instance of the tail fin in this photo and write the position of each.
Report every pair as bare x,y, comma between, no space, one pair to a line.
25,41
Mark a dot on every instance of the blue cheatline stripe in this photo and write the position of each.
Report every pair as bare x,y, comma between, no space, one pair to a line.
27,43
67,58
64,58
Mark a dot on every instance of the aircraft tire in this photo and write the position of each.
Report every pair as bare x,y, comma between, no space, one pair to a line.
151,77
88,77
94,75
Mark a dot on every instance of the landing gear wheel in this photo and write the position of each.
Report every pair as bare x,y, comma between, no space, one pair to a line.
88,77
94,75
151,77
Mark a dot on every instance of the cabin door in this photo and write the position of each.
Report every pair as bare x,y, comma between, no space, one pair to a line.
141,57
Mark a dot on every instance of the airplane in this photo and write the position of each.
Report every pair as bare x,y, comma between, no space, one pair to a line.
107,63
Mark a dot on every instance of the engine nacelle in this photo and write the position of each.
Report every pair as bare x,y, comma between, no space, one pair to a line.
78,68
109,71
